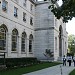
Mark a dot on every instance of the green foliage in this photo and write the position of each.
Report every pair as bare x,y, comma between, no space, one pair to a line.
71,43
66,11
73,72
18,62
70,54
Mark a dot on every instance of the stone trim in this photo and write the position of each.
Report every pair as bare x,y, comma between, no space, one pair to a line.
30,52
23,52
16,22
14,52
37,29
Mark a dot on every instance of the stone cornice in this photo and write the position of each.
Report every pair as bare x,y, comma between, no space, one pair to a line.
47,28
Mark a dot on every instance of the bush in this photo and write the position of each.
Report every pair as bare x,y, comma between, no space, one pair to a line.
18,62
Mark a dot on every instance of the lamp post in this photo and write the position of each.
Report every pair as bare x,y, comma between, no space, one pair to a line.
61,70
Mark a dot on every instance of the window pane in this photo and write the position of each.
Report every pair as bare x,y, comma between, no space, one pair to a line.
30,45
4,4
23,42
2,39
14,40
23,46
15,11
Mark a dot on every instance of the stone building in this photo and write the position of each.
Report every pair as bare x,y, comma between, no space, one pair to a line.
28,28
50,33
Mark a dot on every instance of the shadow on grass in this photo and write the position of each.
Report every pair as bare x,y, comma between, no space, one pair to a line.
24,70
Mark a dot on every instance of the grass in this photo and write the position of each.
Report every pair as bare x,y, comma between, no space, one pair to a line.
73,72
24,70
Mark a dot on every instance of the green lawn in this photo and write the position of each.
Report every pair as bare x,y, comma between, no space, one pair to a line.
73,72
20,71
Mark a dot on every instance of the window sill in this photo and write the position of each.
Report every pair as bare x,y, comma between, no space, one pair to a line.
16,17
3,51
14,52
24,21
23,52
31,24
30,52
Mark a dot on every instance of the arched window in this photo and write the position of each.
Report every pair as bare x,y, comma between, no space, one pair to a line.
3,31
30,43
60,40
23,42
14,39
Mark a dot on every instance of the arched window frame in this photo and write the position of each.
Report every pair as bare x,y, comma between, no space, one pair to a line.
30,43
3,34
60,40
14,39
23,42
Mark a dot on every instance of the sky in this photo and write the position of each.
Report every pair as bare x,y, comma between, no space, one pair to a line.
70,26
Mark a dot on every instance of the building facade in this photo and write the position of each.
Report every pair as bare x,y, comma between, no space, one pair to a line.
28,28
50,33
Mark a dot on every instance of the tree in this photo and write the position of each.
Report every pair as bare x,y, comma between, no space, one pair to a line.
65,11
71,43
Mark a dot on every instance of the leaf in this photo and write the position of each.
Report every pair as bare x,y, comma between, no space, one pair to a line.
66,10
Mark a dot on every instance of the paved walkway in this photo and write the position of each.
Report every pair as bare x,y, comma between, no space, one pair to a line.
55,70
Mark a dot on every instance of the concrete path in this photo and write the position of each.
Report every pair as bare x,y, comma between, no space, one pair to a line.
55,70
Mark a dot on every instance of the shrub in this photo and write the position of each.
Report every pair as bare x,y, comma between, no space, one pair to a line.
18,62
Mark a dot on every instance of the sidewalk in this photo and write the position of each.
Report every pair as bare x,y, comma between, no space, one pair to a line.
55,70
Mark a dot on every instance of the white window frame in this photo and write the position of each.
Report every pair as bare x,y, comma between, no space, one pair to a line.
24,16
31,7
4,5
14,49
31,21
3,38
25,3
23,42
15,11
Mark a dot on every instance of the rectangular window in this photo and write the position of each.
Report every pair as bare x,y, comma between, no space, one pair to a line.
24,17
15,11
31,20
24,3
4,5
31,8
30,45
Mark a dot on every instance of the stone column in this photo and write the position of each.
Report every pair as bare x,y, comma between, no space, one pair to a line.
19,47
62,46
9,44
27,48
